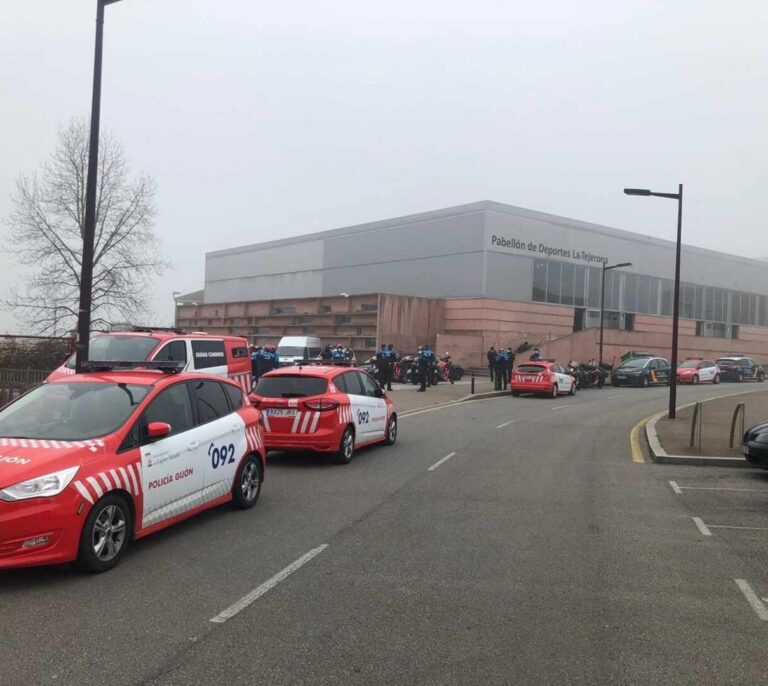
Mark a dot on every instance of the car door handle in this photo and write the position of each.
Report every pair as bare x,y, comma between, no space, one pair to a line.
194,445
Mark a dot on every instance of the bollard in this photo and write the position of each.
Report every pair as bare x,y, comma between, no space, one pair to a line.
472,385
695,423
738,412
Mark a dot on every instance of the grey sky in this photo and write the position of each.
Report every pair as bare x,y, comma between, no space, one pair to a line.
264,120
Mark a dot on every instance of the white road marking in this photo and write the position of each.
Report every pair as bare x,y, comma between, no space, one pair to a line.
561,407
511,421
440,461
675,488
752,599
743,528
613,396
702,526
268,585
723,488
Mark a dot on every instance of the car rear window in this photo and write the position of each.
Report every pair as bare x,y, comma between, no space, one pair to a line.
532,368
288,386
733,363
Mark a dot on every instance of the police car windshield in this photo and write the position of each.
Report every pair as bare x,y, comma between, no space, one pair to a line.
636,363
285,386
71,411
119,348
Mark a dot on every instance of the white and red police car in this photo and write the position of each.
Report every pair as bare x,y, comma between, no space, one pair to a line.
544,377
90,462
325,409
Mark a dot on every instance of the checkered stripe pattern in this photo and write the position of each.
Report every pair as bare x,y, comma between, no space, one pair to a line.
66,371
244,380
126,478
345,414
253,439
47,444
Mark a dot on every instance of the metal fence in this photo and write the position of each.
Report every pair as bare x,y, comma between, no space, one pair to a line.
26,361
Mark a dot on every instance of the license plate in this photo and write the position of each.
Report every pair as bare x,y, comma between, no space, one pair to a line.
280,412
620,376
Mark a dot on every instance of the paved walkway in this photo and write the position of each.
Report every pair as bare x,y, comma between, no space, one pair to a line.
406,398
674,435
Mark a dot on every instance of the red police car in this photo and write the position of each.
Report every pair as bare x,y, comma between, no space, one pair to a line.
544,377
325,409
90,462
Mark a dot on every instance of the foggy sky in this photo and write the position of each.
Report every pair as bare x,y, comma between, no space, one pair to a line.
265,120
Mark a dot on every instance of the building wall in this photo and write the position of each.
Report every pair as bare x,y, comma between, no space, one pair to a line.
408,322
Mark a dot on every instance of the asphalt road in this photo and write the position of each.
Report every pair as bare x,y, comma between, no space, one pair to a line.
538,553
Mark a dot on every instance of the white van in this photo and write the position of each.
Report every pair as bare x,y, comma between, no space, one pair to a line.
292,349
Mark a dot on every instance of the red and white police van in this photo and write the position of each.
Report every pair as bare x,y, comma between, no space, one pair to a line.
91,461
200,352
325,409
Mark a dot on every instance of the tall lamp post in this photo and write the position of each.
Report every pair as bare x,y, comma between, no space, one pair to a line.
89,224
676,305
606,268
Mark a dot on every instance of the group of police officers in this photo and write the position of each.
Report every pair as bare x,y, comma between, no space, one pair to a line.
500,364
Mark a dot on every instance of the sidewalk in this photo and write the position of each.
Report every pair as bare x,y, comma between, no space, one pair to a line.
673,435
406,398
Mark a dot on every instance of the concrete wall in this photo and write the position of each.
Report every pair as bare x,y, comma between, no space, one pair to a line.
408,322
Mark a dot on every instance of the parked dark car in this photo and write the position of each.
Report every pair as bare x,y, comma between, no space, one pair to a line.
755,443
642,371
739,368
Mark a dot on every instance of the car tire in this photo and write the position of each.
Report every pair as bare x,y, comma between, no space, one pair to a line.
716,380
645,382
741,377
760,377
391,435
695,379
108,525
248,480
573,389
555,392
346,450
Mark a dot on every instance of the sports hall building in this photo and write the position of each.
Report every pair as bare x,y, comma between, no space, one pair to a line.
467,277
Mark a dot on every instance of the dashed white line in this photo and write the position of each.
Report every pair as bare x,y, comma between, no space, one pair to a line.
561,407
703,528
613,396
722,488
739,528
511,421
268,585
752,599
675,488
440,461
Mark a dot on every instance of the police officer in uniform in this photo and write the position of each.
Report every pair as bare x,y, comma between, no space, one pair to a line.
327,355
502,368
381,361
426,360
338,355
255,350
491,356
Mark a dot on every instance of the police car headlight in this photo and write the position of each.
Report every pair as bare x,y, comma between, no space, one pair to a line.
41,487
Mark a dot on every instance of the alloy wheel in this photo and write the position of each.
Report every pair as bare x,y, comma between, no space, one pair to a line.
250,481
109,531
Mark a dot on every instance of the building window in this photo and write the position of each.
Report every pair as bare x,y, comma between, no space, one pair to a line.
593,287
283,310
263,329
324,309
370,343
580,286
343,319
540,281
369,307
554,275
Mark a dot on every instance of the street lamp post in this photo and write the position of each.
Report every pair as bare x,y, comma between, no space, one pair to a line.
606,268
89,223
676,305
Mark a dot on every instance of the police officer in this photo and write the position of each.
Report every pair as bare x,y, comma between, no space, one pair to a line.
502,367
255,350
382,361
326,355
491,356
510,364
338,356
265,362
426,361
392,365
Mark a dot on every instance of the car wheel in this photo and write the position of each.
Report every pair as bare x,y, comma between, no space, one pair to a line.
573,389
760,377
554,391
391,436
695,379
346,447
248,481
645,382
716,380
105,535
741,377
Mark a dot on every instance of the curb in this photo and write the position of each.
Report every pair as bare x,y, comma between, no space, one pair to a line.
483,396
662,456
458,401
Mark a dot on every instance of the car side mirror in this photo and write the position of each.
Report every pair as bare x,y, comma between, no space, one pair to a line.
157,430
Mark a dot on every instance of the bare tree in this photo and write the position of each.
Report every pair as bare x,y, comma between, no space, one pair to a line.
46,237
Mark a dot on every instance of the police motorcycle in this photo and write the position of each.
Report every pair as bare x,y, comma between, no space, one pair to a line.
578,373
448,370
